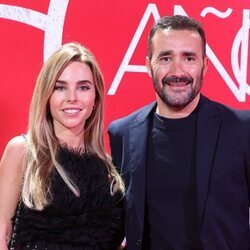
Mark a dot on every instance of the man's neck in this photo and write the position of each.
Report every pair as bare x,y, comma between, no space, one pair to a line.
176,113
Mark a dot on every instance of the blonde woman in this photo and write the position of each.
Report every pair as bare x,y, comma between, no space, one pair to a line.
71,196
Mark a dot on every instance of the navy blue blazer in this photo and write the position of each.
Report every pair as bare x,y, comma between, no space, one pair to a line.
223,173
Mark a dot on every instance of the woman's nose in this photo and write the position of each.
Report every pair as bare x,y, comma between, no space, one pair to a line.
71,96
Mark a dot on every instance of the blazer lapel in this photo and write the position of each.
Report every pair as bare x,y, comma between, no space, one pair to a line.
138,140
208,118
208,126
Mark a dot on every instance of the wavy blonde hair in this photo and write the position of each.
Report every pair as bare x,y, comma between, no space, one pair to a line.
42,143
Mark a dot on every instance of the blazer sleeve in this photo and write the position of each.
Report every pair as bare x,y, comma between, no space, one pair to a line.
115,141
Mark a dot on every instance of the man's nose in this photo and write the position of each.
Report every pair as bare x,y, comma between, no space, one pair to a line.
177,68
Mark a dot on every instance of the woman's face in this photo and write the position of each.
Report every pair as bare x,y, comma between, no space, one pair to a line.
73,98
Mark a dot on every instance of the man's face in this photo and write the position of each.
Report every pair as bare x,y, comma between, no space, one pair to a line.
177,66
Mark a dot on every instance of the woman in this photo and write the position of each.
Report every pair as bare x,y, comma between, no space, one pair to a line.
71,196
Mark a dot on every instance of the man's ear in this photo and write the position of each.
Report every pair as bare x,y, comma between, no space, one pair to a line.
205,65
148,65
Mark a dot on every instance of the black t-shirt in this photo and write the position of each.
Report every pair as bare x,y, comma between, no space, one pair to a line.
171,220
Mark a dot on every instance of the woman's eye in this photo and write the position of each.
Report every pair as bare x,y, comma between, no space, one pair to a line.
84,87
59,87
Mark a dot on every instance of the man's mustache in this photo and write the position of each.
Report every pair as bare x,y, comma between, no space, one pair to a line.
174,79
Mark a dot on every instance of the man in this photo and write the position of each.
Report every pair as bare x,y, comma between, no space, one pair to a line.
185,159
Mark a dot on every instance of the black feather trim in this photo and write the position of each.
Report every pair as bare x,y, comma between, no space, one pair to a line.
94,220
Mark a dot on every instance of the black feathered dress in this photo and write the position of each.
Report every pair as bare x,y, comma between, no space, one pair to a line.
95,220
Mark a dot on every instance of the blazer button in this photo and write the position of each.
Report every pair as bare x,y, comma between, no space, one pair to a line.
138,243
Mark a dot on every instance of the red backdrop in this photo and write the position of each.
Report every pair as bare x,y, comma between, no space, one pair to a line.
116,32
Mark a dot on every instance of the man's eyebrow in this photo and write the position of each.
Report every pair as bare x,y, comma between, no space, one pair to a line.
189,53
165,53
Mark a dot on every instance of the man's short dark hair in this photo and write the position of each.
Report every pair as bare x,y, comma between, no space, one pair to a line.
176,22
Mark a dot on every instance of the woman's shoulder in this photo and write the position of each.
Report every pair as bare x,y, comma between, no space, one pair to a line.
16,145
14,151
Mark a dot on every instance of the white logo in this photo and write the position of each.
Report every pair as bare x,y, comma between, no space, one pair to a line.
52,23
241,41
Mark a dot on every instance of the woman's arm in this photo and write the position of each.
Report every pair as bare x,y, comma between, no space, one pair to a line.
11,172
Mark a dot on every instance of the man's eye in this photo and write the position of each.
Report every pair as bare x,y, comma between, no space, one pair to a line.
166,59
189,59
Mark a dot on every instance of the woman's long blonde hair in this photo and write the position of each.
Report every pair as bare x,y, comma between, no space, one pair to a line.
42,143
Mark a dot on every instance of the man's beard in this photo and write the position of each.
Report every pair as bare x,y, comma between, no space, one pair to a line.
179,99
